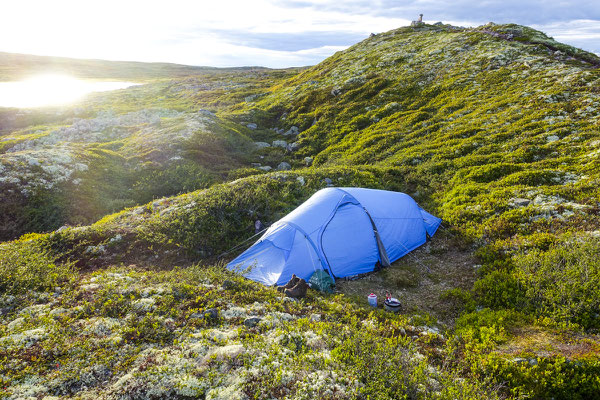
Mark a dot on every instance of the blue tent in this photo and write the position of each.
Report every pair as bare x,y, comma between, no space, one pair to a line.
344,231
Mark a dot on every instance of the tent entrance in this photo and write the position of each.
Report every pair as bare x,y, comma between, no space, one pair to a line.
348,242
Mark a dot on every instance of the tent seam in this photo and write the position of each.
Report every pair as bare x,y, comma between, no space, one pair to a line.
293,225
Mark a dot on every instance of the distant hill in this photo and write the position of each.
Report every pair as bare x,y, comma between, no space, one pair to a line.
15,66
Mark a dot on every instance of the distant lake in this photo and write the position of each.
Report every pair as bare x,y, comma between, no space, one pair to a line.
52,90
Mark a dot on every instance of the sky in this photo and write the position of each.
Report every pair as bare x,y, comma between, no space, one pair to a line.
260,32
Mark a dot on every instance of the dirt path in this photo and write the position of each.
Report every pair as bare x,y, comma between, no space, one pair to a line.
450,266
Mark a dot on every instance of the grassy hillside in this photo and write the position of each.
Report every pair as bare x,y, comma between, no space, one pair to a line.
496,129
73,165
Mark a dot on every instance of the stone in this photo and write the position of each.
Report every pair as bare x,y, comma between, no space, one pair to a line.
252,321
283,166
328,181
552,138
518,202
211,314
280,143
265,168
293,146
300,179
292,131
261,145
308,161
256,164
206,112
336,91
118,238
252,126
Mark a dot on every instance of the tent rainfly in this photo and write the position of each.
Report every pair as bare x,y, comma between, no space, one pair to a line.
344,231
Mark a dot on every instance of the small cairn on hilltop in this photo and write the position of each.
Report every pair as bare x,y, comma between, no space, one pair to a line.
418,22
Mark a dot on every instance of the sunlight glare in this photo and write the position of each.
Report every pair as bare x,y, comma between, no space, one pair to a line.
51,89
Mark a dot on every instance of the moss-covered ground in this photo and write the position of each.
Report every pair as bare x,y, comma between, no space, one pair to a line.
495,129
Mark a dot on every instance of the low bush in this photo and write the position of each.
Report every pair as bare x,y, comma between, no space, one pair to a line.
547,378
159,182
500,289
25,265
563,282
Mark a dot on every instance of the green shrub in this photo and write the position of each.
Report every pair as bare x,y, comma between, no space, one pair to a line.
532,178
547,378
489,173
25,265
499,289
462,298
223,216
489,326
157,182
493,258
563,282
389,369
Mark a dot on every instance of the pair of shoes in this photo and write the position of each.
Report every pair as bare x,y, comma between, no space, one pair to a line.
298,291
291,283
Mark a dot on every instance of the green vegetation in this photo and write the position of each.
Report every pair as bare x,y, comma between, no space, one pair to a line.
559,283
495,129
30,267
182,333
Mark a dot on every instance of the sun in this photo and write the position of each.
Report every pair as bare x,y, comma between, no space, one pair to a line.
51,90
42,90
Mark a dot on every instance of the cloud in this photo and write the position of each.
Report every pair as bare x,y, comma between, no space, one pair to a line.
259,32
583,33
290,41
499,11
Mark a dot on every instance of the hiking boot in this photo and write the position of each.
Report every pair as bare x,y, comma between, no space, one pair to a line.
291,283
298,291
